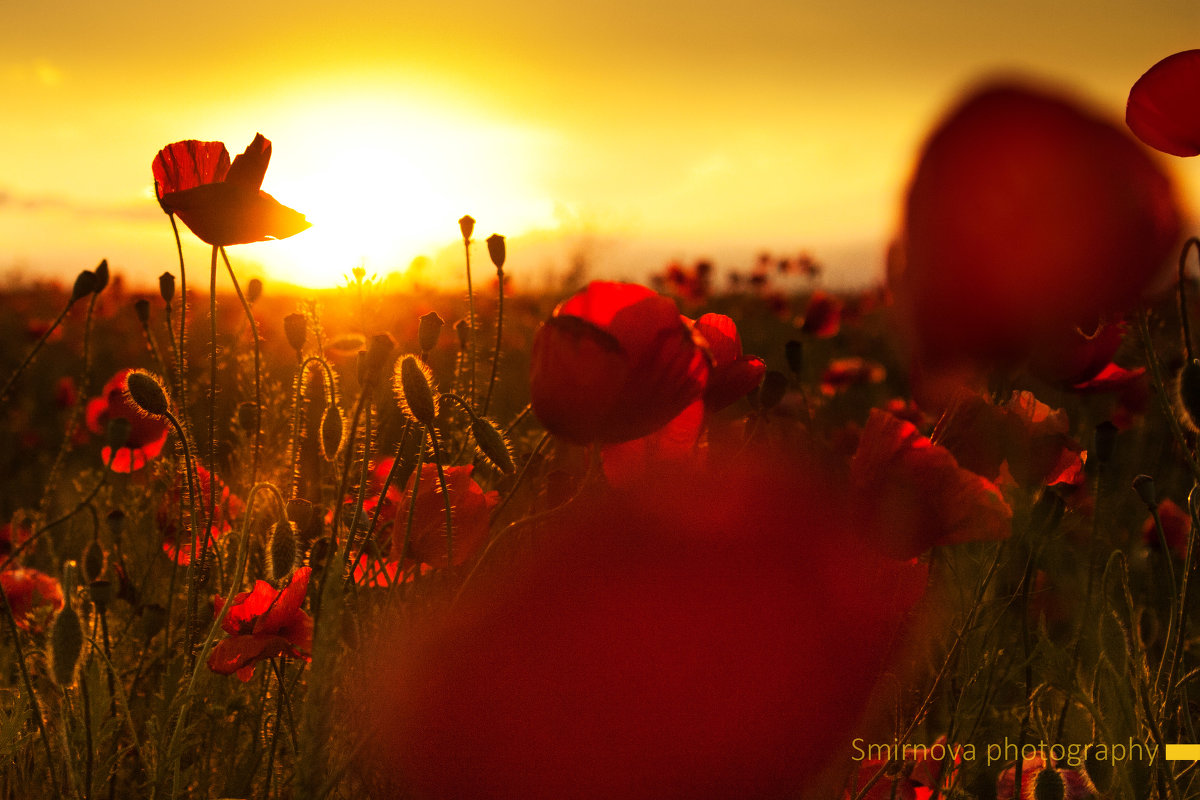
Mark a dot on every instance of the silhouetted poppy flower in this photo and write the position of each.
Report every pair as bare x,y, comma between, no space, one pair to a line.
33,596
734,374
147,435
1027,215
1162,111
222,203
263,623
1177,525
916,494
613,363
177,545
712,633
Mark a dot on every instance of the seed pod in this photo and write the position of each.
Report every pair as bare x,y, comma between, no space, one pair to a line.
253,291
101,273
116,522
428,331
66,643
414,392
495,245
331,432
93,561
466,224
281,550
141,307
101,593
85,284
166,287
1188,392
147,393
295,328
246,417
492,444
299,512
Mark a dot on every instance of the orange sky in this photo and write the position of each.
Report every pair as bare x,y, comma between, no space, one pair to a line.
628,132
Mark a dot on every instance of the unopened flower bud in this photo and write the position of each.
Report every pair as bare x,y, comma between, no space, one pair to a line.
495,245
428,331
1145,488
253,290
147,393
466,224
1188,392
85,284
281,550
93,561
379,351
246,416
66,643
141,307
414,391
331,432
464,334
295,328
1049,785
166,287
101,273
492,444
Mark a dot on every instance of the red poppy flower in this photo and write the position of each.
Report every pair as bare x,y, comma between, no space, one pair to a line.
1177,527
33,596
179,547
221,203
147,435
1027,215
733,374
823,319
470,509
916,494
263,623
1075,784
672,444
613,363
1162,108
714,633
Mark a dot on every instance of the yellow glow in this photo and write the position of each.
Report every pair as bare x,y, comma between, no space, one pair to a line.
383,182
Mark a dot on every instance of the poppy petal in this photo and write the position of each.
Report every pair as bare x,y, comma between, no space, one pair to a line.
188,164
1162,109
249,168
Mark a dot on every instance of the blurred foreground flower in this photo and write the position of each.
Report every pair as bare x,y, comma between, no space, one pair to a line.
147,435
263,623
1162,109
613,363
33,596
222,204
707,633
1027,216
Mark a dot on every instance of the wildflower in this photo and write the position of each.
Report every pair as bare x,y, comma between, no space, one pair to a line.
1162,111
263,623
613,363
470,508
1177,528
221,203
33,596
147,435
842,373
823,319
733,375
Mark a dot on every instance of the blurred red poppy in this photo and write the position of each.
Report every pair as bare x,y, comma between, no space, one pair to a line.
842,373
1027,215
179,547
613,363
734,374
1162,109
823,319
263,623
221,203
13,535
147,435
712,633
470,509
33,596
1177,526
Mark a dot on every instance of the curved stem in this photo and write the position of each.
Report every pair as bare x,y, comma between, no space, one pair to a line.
212,406
1183,311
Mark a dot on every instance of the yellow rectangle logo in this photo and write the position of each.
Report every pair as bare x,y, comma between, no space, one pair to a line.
1183,752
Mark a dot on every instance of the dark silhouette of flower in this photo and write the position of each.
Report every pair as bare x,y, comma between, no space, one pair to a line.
147,435
222,203
1162,110
33,596
613,363
263,623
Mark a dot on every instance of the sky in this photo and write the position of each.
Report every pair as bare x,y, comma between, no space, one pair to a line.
619,133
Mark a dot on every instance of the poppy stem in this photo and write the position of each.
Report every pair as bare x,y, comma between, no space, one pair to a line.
294,461
470,321
1183,310
181,374
1156,379
408,525
387,484
257,370
437,459
487,400
212,406
363,476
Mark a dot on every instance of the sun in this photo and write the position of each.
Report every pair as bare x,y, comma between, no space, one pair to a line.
384,183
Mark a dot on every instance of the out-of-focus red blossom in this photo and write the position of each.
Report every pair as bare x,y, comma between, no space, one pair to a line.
1027,215
1162,111
1074,356
823,319
1177,527
674,443
1075,783
734,374
916,494
147,435
36,328
221,203
613,363
692,286
13,535
907,410
33,596
706,633
842,373
229,507
65,393
263,623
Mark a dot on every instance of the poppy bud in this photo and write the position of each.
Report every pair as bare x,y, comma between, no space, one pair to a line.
492,444
118,431
495,245
464,334
466,224
253,290
85,284
414,391
379,350
281,550
773,387
1049,785
1099,770
245,415
1145,488
166,287
429,330
147,393
101,273
299,512
116,522
331,432
1188,392
1105,442
66,643
101,593
141,307
793,351
93,561
295,328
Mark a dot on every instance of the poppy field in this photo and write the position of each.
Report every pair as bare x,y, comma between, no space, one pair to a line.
732,533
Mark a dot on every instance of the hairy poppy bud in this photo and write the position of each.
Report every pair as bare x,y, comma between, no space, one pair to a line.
495,245
1049,785
1145,488
295,328
85,284
66,643
466,224
253,290
1188,392
93,561
147,393
414,390
281,550
166,286
141,307
101,273
428,331
246,415
492,444
331,431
